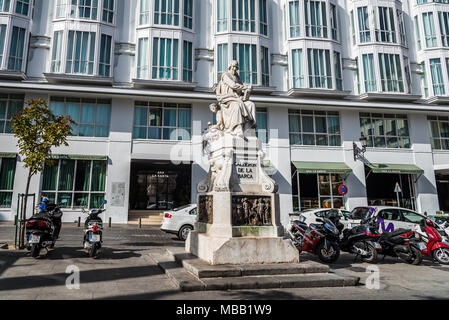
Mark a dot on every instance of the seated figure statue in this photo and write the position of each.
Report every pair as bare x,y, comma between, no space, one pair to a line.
237,112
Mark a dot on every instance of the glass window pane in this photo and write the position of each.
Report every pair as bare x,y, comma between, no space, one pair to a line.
7,172
82,175
98,176
66,173
96,200
169,118
50,177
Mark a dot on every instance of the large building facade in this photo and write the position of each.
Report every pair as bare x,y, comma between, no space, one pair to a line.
137,77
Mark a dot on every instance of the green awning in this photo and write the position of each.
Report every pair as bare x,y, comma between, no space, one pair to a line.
322,167
78,157
7,155
268,167
395,168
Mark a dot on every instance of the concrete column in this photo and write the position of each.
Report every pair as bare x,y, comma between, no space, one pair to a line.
119,163
278,153
425,186
356,183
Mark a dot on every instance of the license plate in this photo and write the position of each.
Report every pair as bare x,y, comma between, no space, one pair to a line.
422,246
94,237
34,238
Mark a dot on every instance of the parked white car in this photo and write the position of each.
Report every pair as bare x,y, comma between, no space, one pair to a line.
180,221
309,216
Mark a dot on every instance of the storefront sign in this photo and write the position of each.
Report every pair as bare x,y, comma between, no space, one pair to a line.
342,189
246,170
118,194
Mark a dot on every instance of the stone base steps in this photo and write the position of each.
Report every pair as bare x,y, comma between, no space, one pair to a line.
190,273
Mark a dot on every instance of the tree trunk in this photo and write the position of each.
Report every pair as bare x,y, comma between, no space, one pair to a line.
24,209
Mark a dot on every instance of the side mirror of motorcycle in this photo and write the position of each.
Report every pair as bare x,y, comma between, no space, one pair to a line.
105,201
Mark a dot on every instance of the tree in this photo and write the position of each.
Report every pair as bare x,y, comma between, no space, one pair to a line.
38,130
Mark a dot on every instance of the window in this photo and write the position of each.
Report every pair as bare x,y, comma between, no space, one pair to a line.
443,18
108,11
163,121
144,16
10,105
84,9
5,5
294,18
92,116
385,130
56,57
298,69
265,66
80,52
188,14
425,83
104,68
437,77
364,30
391,73
244,15
263,26
60,8
16,49
429,30
337,67
2,42
417,32
439,132
7,173
407,74
142,59
187,69
262,124
22,7
246,55
319,64
315,18
222,58
165,59
369,74
314,128
80,182
333,21
386,31
222,15
410,216
401,26
166,12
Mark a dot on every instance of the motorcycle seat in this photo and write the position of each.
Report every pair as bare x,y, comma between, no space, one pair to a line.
389,235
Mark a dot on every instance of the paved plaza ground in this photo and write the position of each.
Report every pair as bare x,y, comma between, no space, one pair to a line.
126,270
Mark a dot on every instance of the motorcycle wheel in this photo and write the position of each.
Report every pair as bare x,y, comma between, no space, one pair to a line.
92,251
441,255
35,250
328,255
417,256
372,256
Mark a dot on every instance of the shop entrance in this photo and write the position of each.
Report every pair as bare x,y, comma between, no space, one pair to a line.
443,190
380,189
159,185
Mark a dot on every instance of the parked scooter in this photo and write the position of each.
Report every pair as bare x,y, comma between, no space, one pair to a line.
432,244
93,231
401,243
320,239
361,241
43,228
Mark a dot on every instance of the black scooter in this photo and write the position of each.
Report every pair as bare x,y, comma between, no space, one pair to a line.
42,229
93,231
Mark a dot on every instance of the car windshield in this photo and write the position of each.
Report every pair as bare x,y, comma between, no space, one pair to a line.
181,207
360,213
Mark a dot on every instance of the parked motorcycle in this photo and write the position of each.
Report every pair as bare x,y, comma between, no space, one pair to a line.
401,243
320,239
361,241
42,229
433,244
93,231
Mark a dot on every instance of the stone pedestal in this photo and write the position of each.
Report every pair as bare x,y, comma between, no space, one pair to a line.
238,208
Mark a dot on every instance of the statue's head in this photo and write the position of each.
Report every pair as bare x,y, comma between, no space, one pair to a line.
234,66
213,107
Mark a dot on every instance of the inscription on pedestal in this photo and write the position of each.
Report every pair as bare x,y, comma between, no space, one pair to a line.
251,211
246,171
205,209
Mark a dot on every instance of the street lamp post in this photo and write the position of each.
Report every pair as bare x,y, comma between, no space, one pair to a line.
358,153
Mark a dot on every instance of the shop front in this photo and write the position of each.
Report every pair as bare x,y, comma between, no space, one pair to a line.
316,184
442,180
159,185
392,184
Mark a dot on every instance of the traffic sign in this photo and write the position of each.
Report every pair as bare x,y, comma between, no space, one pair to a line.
342,189
397,188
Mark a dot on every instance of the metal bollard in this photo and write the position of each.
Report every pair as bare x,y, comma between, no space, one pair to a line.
79,222
110,222
140,223
15,220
